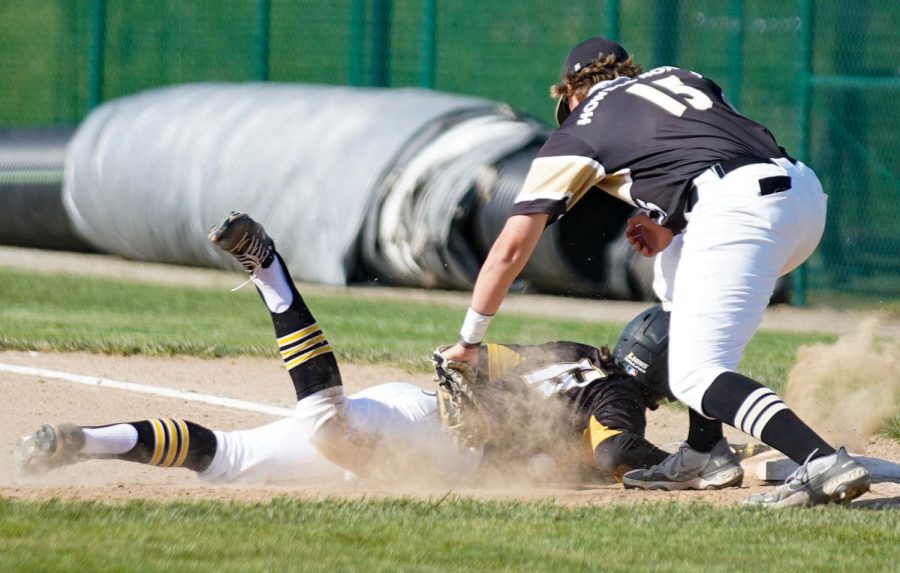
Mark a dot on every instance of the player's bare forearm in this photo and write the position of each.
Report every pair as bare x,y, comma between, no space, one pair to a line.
504,262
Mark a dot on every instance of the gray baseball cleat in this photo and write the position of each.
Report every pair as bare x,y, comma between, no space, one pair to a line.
690,469
244,238
48,448
836,478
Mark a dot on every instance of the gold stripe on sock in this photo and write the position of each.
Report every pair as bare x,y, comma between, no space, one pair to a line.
298,334
172,444
160,438
303,358
285,354
185,442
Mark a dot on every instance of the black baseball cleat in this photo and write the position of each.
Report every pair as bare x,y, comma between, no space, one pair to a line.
48,448
246,239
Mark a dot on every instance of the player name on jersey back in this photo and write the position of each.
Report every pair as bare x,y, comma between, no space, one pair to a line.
643,140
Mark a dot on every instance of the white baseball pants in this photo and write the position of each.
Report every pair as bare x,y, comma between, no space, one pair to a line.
718,275
401,416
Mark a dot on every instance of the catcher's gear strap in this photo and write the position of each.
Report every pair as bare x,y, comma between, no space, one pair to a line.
626,451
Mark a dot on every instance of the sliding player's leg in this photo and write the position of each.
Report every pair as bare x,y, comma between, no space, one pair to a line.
280,451
379,432
277,452
371,427
163,442
304,349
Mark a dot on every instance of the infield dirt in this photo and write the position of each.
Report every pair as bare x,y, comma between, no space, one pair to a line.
27,401
30,401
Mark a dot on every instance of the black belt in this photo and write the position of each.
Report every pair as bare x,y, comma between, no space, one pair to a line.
767,185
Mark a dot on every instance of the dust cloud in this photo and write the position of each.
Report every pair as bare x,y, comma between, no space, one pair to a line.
530,441
847,390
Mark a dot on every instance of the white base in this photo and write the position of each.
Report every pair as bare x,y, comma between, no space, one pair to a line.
773,466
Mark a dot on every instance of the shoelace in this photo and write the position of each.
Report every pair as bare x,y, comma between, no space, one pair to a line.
801,474
673,462
252,257
681,458
254,251
245,283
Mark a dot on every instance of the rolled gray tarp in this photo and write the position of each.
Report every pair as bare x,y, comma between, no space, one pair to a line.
406,187
419,230
31,179
147,174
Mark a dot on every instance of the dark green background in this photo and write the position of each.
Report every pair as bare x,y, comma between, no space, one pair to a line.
511,51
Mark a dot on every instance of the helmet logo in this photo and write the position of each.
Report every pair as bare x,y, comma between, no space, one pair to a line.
633,362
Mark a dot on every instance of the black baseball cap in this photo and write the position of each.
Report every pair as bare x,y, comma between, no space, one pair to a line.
580,56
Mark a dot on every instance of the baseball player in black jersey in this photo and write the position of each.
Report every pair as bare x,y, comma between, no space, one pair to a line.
390,431
724,210
568,400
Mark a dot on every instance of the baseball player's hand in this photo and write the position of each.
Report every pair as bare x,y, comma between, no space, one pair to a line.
459,401
646,236
460,353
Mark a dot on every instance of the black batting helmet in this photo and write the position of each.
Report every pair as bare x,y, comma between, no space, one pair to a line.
643,350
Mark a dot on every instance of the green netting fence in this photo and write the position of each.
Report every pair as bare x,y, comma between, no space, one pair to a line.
823,75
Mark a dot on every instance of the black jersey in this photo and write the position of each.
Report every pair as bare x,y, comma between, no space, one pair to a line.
641,139
568,400
575,373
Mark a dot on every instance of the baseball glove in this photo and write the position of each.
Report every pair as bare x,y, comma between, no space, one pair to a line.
458,402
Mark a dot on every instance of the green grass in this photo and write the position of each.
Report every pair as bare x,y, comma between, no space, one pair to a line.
891,428
47,312
453,535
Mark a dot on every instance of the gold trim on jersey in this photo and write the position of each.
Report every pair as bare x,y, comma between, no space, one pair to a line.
618,184
599,433
501,359
561,178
